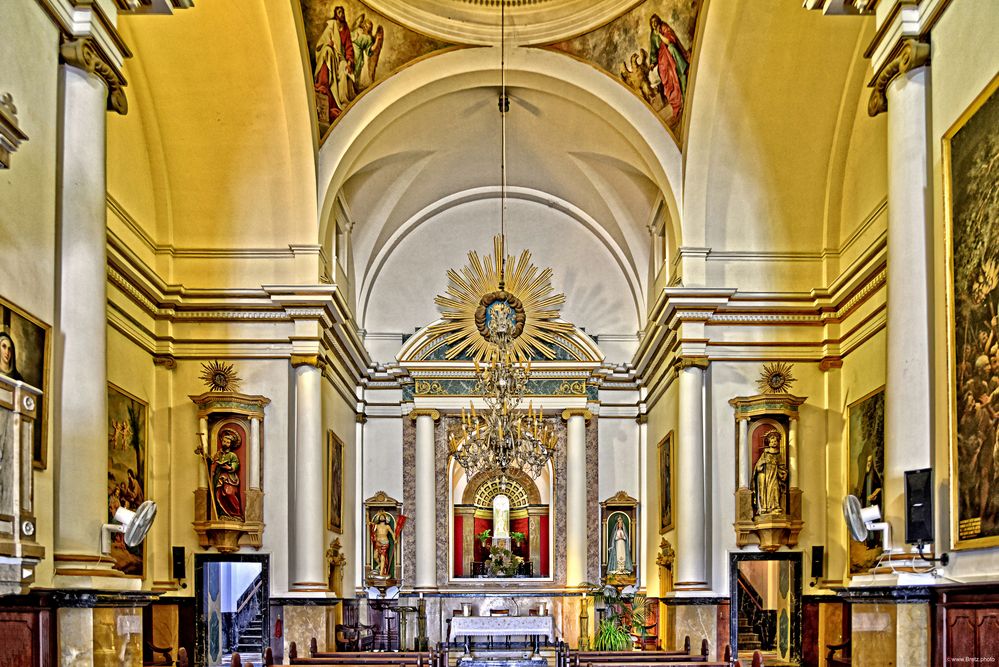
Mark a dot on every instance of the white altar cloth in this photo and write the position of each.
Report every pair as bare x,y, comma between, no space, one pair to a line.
502,626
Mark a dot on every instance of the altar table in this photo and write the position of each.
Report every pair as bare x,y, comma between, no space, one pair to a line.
502,626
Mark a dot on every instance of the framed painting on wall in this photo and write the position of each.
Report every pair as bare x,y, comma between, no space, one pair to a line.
666,484
24,355
334,502
127,419
971,202
865,470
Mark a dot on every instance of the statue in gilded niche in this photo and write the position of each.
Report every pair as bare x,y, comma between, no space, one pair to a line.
224,475
619,548
769,477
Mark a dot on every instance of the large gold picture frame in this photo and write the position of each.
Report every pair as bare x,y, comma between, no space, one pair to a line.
32,349
667,457
971,204
334,498
128,450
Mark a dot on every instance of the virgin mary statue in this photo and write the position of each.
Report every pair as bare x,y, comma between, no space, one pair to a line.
619,548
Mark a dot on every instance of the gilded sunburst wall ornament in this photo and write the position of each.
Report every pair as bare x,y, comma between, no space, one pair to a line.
219,376
775,378
483,301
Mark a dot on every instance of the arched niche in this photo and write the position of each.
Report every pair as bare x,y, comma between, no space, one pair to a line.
471,507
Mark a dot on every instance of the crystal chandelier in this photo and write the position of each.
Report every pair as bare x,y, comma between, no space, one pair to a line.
504,437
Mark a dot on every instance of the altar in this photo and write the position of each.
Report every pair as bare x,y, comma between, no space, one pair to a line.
502,626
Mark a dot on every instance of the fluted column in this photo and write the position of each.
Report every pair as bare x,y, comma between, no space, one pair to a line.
426,514
692,524
80,404
908,388
308,566
575,497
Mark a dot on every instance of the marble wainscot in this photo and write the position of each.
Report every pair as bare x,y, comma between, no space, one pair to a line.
302,619
890,626
99,628
696,618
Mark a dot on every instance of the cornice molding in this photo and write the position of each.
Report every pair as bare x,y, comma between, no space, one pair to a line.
11,134
84,53
911,55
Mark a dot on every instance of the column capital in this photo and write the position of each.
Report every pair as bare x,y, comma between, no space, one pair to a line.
306,360
425,412
643,418
909,55
692,362
86,55
361,418
577,412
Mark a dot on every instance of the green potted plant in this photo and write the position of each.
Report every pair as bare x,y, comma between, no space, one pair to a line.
484,536
517,537
624,611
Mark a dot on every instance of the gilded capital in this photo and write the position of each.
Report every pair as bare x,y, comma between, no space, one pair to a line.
693,362
425,412
306,360
577,412
84,54
911,54
666,556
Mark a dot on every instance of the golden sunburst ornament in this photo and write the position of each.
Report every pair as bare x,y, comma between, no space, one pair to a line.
775,378
219,376
480,304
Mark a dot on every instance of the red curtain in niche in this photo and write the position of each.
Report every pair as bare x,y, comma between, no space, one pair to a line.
545,555
457,539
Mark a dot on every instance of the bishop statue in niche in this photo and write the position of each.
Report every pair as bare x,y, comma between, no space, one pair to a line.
770,477
223,470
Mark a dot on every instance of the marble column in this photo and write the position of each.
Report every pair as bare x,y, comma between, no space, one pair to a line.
254,458
426,513
575,497
908,391
80,403
745,454
308,565
645,546
692,524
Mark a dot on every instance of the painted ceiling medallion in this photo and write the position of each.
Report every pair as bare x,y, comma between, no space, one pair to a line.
477,309
219,376
776,378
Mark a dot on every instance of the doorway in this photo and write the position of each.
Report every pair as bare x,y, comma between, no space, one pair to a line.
765,597
232,595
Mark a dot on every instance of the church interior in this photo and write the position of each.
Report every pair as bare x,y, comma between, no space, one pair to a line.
499,332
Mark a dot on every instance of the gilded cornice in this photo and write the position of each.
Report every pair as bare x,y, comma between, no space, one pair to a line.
911,54
85,54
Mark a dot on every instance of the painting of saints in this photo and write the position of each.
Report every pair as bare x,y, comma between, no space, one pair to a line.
619,545
23,356
335,65
672,62
866,465
126,469
8,357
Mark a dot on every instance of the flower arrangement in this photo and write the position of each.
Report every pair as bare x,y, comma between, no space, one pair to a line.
502,562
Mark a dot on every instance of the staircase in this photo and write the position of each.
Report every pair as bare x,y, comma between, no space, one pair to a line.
749,640
250,638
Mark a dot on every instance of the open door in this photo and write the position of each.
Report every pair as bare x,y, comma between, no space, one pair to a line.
232,593
765,593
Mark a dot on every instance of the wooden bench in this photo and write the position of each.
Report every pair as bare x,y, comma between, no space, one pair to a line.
583,658
361,659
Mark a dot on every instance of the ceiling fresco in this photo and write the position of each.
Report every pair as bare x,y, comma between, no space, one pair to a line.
351,48
650,49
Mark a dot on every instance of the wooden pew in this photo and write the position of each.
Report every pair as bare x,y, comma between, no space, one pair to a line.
361,659
642,658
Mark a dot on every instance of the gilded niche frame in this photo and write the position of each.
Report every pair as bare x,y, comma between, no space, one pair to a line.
972,277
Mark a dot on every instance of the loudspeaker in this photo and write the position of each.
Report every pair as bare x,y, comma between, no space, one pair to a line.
818,558
179,563
918,506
